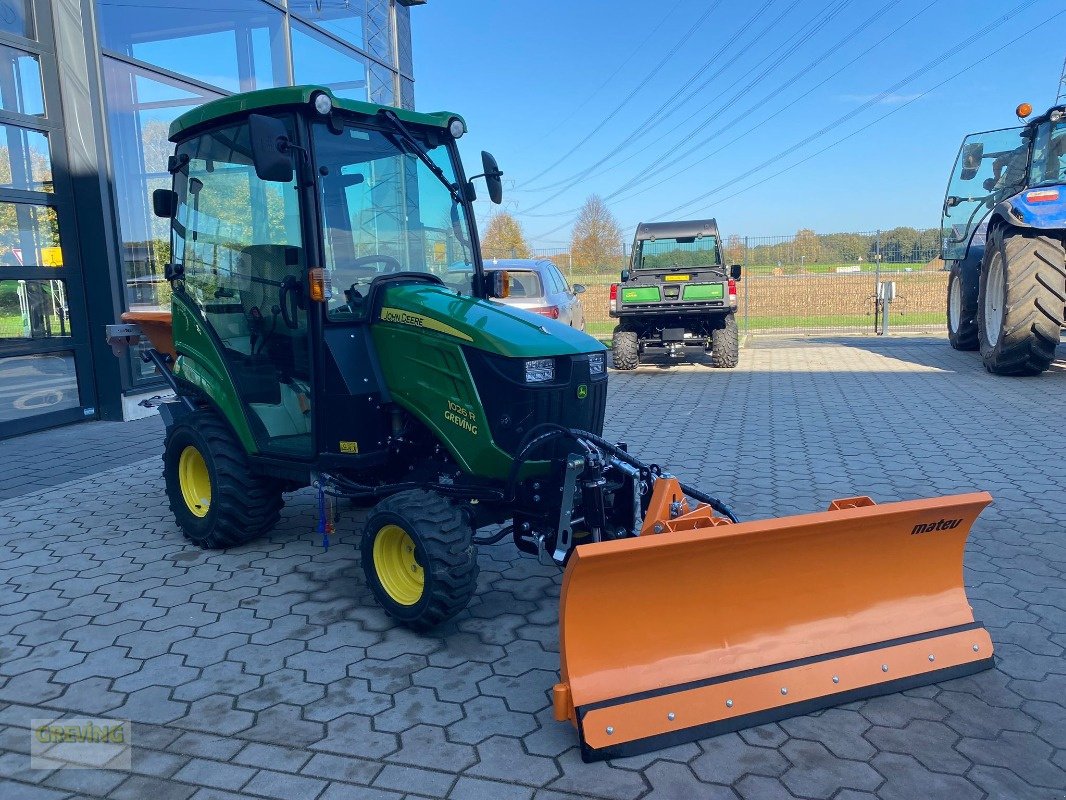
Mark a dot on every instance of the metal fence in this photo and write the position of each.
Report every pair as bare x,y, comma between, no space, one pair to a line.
807,283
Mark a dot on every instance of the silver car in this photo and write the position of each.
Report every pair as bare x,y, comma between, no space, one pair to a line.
537,285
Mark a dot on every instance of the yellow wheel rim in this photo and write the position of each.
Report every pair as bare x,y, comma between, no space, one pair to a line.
195,481
396,567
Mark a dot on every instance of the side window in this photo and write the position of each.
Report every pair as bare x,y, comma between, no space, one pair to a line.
238,239
990,167
560,280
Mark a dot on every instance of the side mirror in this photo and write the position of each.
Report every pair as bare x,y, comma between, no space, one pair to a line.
578,288
165,203
270,148
499,284
734,272
971,160
625,275
492,177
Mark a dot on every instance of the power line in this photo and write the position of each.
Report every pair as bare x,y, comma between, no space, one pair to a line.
643,176
994,25
815,24
895,110
872,102
649,122
688,35
632,54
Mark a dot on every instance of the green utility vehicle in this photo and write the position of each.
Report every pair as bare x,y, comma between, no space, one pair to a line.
676,294
330,326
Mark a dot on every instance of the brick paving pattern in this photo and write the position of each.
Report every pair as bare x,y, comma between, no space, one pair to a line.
267,671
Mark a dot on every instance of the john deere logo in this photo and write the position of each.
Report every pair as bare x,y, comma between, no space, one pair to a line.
582,392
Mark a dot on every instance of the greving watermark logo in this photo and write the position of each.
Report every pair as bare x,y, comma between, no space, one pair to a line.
80,743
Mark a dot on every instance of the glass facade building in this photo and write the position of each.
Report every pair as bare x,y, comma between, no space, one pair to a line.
88,89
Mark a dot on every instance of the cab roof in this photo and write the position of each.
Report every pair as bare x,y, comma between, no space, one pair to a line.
287,96
676,230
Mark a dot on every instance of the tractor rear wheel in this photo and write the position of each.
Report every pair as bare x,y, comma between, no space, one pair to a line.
725,344
1020,307
625,349
419,558
962,308
215,497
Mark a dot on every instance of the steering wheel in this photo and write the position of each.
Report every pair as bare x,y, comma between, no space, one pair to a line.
391,264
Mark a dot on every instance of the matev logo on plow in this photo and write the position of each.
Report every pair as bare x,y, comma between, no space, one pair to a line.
930,527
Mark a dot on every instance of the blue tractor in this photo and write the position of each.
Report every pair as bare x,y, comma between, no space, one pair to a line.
1004,230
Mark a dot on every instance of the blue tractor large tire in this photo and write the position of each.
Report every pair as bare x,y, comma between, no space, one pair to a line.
1021,301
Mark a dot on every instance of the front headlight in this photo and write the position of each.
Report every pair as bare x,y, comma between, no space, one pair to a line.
597,363
539,370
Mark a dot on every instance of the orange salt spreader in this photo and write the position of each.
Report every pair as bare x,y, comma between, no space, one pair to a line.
700,626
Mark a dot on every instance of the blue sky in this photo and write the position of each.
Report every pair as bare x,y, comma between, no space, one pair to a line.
785,78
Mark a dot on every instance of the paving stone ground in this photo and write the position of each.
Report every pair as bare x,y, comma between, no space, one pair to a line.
267,671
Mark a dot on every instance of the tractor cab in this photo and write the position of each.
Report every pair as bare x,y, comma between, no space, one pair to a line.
999,166
290,213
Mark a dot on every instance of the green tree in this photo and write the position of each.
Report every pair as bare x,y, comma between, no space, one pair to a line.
596,241
504,238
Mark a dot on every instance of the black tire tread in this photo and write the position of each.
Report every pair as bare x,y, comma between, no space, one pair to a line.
725,344
447,537
966,337
244,506
1036,293
625,349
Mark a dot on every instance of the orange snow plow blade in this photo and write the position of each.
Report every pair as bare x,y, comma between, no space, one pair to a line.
699,627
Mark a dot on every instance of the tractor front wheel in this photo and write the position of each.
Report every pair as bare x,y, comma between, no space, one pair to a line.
1020,308
215,497
419,558
962,308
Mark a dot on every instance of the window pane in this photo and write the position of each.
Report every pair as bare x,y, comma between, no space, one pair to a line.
340,17
37,384
29,236
237,45
378,41
20,82
381,86
33,309
25,160
403,39
15,17
319,60
140,109
407,93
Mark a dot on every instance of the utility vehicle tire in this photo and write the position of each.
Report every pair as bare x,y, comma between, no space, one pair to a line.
419,558
962,307
725,344
1020,303
215,497
625,349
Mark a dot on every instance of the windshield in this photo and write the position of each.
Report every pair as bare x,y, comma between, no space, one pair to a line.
384,211
693,251
1049,151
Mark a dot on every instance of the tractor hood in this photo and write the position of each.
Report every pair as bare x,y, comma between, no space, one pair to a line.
1039,207
492,327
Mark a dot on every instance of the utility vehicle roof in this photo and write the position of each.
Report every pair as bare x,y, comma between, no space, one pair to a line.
292,96
676,230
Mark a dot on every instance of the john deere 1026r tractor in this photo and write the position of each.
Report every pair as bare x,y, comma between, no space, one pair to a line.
331,326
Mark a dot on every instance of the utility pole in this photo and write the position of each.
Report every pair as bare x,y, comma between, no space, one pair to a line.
1060,95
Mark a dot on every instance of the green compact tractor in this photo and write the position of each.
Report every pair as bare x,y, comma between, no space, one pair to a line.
331,325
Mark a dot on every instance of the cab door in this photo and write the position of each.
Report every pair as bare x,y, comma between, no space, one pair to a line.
237,239
990,167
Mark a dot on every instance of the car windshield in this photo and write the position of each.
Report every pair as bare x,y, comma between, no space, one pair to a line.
384,211
524,283
692,251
